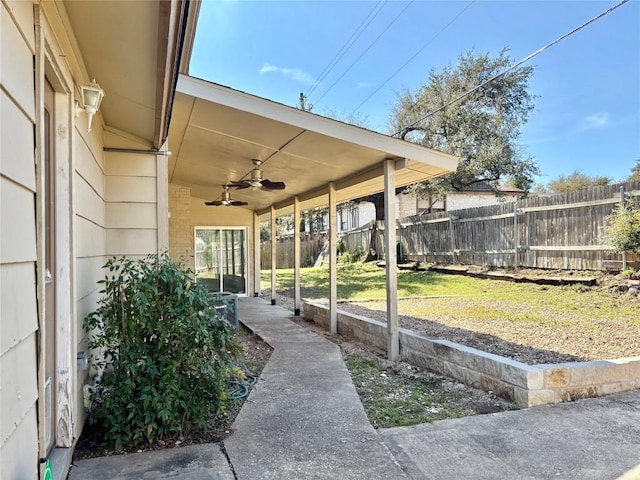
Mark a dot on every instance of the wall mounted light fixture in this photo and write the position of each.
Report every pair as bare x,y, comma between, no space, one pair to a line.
92,96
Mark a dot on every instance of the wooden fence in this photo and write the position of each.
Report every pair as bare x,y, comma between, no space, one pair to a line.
310,248
564,231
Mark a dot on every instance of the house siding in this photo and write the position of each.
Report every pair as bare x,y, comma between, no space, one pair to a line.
107,204
18,313
458,202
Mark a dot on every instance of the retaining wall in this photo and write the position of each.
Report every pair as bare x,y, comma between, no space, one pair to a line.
526,385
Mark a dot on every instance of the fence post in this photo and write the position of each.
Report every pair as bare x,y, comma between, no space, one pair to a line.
452,240
516,235
624,254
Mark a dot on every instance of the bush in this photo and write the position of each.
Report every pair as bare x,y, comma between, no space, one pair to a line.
166,354
348,257
623,227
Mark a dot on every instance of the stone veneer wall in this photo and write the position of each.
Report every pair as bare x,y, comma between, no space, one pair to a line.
526,385
181,243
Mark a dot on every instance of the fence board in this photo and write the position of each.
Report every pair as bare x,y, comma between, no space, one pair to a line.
564,231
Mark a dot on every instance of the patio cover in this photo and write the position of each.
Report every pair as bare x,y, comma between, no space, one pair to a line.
216,131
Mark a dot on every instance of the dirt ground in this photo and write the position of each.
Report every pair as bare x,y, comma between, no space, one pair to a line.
459,397
533,344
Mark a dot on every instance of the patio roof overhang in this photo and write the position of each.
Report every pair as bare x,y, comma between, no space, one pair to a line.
133,50
216,131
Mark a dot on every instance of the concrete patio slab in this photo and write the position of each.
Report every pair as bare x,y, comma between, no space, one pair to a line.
592,439
193,462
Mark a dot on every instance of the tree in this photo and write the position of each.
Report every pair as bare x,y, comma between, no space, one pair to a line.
576,181
635,172
482,129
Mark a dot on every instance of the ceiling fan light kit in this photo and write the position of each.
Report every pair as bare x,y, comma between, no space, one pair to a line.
226,200
256,180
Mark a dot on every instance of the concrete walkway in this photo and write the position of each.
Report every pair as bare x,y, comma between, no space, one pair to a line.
304,420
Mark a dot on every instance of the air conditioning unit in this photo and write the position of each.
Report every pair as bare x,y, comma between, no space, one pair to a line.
226,304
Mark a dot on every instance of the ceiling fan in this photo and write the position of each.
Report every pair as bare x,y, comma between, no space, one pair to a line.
226,200
256,181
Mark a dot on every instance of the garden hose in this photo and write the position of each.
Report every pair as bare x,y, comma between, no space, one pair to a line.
239,388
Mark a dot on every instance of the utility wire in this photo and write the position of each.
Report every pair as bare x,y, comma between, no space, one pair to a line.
515,65
366,50
348,44
414,56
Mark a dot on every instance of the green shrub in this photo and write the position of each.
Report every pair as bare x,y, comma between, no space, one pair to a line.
352,257
623,227
166,354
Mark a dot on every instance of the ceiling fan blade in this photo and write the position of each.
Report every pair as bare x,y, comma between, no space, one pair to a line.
215,203
239,185
269,185
237,203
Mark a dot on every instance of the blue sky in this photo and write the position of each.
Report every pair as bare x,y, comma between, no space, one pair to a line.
587,116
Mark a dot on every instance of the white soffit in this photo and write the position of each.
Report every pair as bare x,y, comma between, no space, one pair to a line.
216,132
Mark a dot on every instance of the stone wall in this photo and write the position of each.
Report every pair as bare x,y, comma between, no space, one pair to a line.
526,385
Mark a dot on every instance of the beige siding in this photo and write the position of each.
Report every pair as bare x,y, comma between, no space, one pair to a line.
130,189
18,317
460,201
17,216
16,62
17,304
16,144
132,200
19,456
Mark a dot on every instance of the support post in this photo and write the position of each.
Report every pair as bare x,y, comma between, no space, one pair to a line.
333,261
516,235
393,338
256,254
624,254
274,245
296,256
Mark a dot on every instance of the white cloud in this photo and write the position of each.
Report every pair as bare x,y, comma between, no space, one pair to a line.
363,84
597,120
293,73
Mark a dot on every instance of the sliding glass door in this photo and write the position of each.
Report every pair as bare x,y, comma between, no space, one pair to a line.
221,258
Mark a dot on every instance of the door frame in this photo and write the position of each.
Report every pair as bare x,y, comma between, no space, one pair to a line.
243,228
51,66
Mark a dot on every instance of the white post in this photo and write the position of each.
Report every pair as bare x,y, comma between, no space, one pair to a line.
333,261
516,235
296,256
273,255
624,254
393,338
256,254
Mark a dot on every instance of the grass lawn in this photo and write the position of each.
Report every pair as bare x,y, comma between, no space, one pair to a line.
588,323
484,299
364,281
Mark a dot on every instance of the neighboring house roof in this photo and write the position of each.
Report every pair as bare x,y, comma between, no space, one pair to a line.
484,187
216,131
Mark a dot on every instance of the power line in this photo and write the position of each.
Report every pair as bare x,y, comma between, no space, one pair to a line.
365,51
348,44
515,65
414,56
